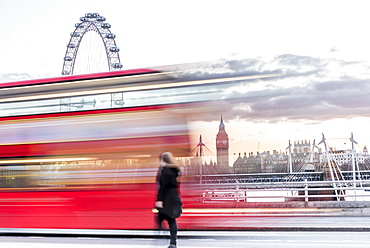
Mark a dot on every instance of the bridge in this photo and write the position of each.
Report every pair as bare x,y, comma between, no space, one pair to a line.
268,178
282,187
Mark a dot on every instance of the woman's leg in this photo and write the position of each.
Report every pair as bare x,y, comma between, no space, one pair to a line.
173,230
160,218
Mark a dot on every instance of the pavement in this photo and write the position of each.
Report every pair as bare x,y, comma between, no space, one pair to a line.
332,224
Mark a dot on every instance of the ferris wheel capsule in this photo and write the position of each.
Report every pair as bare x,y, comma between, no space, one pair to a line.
110,36
105,25
84,19
114,49
68,58
88,15
117,65
75,34
71,45
100,19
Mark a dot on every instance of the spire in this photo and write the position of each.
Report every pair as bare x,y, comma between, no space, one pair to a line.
222,125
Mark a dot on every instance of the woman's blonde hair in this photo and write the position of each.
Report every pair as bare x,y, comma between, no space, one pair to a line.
168,158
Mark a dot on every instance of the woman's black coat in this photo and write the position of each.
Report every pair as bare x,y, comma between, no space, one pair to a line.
168,191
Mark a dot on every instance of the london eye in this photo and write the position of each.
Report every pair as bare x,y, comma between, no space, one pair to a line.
91,48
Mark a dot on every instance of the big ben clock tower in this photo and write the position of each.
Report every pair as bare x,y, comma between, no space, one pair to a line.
222,146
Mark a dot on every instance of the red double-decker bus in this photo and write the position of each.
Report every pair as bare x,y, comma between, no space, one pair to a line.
82,151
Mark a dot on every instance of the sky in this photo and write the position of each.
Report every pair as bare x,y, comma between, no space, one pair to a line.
320,47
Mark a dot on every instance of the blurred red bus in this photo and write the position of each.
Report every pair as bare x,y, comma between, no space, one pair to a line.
82,151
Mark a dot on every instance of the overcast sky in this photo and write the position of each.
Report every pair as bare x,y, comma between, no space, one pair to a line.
321,46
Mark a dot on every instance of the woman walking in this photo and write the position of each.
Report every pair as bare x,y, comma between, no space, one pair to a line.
168,199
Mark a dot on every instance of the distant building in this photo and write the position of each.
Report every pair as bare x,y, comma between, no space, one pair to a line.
222,146
343,158
302,147
248,165
278,162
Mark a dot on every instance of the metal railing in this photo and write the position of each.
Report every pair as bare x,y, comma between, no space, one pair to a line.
346,190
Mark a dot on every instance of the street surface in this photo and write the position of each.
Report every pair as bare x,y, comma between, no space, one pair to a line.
248,239
260,232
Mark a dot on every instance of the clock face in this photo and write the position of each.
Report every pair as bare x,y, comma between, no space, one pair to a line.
221,142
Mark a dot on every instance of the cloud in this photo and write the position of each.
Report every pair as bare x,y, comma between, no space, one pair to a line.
243,65
333,50
317,101
9,77
298,60
308,90
286,63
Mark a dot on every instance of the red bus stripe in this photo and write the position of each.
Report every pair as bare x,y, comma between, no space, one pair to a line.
143,144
